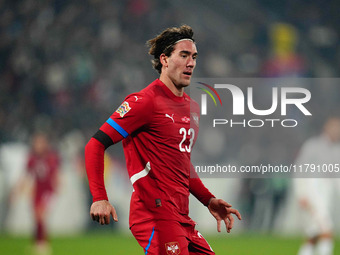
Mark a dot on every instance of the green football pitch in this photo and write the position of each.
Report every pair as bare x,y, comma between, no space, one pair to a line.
117,244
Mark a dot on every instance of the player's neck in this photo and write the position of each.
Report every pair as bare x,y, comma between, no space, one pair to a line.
176,90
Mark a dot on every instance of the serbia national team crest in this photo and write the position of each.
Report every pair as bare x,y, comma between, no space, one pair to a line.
172,248
123,109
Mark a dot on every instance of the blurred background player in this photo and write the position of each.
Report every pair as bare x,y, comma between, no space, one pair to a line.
159,125
42,171
316,195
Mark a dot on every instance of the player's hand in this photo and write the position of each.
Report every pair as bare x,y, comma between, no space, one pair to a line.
101,210
222,211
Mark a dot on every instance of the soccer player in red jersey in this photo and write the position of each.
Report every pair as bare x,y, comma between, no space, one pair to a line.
158,126
42,169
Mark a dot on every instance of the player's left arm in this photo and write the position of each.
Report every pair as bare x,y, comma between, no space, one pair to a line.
220,209
197,188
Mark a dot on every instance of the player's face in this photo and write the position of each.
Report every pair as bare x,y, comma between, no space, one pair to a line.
40,144
181,63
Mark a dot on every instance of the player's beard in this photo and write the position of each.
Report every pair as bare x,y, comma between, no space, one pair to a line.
182,84
184,81
179,80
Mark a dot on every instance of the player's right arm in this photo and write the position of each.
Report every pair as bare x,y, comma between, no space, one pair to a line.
101,209
129,116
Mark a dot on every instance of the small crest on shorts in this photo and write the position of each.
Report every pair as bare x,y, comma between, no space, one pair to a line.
123,109
172,248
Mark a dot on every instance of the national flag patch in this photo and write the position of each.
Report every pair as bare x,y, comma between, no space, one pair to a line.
172,248
185,119
123,109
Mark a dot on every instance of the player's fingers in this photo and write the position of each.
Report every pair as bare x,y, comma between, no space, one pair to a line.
224,203
218,225
236,212
101,220
114,214
107,219
227,224
231,222
95,217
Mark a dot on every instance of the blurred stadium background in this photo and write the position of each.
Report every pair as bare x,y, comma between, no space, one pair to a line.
65,65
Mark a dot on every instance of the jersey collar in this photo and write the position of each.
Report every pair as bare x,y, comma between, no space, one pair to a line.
169,93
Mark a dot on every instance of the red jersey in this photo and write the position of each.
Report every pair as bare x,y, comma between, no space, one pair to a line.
160,130
44,171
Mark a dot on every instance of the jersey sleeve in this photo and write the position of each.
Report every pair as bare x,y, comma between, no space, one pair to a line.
94,162
134,113
197,188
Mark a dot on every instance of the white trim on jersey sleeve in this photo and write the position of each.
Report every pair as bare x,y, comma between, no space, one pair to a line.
141,174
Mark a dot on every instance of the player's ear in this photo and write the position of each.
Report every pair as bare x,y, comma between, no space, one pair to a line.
164,60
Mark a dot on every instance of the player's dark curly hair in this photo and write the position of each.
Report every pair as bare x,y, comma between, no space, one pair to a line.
165,43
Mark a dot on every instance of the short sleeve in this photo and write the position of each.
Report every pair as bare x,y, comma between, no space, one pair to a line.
133,114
